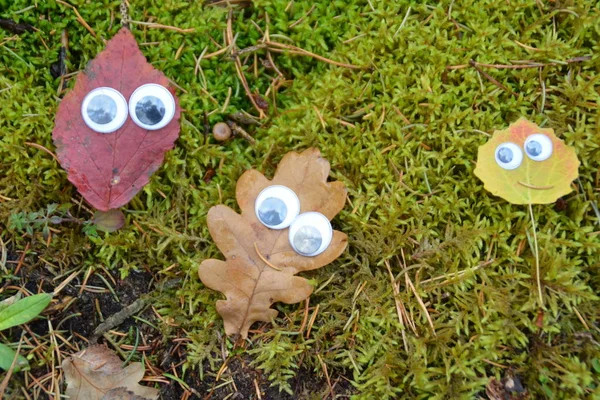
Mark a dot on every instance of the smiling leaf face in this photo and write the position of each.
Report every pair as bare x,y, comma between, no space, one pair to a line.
526,164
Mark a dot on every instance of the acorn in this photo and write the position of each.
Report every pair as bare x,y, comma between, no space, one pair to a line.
221,132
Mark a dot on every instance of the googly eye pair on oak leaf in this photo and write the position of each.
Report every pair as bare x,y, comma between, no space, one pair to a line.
527,164
105,109
278,207
108,158
261,260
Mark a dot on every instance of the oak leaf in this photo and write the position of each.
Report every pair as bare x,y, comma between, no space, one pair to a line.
531,182
121,393
250,284
109,169
93,372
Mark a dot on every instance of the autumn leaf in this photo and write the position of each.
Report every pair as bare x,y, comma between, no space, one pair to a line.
109,221
260,262
526,164
93,372
110,168
121,393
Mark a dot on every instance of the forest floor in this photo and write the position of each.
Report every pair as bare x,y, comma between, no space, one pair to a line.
436,295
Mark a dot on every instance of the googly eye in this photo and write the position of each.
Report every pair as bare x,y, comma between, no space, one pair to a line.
151,106
509,156
538,147
277,206
310,234
104,110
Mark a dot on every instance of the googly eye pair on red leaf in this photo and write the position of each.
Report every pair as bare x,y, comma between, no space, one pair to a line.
113,129
105,109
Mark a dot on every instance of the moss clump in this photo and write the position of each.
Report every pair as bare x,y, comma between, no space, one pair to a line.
401,134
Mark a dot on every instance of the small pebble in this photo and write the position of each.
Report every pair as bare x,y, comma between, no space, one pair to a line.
221,132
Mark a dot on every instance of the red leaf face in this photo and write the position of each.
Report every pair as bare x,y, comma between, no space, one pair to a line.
110,168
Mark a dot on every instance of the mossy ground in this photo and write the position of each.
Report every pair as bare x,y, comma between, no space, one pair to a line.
402,134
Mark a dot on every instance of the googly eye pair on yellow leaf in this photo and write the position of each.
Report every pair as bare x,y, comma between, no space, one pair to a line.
283,229
526,164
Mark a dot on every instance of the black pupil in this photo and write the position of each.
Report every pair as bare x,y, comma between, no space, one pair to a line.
102,109
150,110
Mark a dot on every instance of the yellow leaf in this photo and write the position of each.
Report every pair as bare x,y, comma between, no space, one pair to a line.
545,172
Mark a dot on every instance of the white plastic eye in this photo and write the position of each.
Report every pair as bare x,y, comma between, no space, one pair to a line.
277,206
538,147
151,106
104,110
310,234
509,156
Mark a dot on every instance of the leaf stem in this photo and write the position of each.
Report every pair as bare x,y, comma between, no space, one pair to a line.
537,258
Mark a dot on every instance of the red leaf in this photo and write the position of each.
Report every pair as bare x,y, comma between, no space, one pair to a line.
109,169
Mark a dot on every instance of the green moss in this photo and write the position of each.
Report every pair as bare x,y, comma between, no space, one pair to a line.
402,135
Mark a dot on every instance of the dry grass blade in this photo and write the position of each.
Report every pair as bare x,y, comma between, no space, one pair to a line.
398,302
3,256
423,307
299,21
79,17
324,367
458,274
238,66
283,48
161,26
313,317
487,76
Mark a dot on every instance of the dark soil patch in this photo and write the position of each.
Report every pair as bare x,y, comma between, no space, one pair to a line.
127,291
76,310
305,385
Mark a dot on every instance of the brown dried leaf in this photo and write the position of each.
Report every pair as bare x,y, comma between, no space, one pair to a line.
250,285
121,393
109,221
93,372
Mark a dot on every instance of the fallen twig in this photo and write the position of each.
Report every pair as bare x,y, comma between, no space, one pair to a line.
15,27
117,319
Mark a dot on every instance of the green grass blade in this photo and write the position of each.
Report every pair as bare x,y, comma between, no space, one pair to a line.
24,310
7,355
